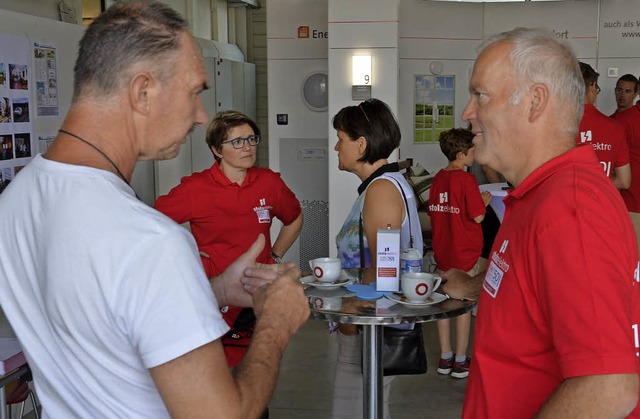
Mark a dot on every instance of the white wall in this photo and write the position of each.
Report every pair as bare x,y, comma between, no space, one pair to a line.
449,32
617,50
426,35
358,27
231,80
290,60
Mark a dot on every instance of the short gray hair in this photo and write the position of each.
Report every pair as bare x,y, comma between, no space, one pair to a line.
123,36
537,56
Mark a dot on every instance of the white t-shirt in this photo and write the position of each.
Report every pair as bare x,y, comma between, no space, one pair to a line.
99,287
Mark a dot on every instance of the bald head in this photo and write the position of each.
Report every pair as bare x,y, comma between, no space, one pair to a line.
526,101
537,56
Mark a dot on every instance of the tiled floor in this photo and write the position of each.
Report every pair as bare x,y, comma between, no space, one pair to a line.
305,383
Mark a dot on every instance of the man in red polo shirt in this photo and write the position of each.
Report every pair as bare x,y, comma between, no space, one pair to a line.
630,119
626,92
607,136
558,329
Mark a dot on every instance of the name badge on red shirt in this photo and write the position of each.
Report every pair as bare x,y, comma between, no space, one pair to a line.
263,213
263,216
497,268
492,279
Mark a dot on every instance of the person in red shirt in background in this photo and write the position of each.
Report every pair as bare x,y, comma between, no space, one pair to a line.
556,334
626,92
607,136
228,206
456,208
629,117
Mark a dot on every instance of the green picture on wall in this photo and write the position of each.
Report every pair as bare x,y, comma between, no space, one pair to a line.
434,107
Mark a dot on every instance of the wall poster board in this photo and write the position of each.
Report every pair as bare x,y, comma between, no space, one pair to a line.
16,130
28,89
46,79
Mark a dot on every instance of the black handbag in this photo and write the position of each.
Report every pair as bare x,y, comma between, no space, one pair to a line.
402,349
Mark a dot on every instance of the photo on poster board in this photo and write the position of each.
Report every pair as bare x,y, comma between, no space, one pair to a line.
5,178
6,147
5,110
21,110
19,76
3,75
22,145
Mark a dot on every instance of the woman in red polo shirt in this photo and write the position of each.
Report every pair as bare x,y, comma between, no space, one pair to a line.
228,205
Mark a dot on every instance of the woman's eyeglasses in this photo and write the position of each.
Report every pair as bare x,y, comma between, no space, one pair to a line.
238,143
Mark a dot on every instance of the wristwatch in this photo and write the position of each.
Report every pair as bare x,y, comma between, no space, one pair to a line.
275,257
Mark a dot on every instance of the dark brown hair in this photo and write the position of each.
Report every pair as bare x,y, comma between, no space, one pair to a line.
589,75
454,141
630,78
373,120
224,122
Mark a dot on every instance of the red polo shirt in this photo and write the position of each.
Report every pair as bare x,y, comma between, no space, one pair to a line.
607,136
559,298
225,217
454,201
630,118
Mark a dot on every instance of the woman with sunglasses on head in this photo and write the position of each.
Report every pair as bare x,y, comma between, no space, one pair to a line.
228,206
367,135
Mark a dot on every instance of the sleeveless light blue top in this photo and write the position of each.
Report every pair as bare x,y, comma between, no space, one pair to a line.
348,239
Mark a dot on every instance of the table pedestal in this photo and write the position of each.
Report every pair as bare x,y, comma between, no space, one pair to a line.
3,403
372,318
372,371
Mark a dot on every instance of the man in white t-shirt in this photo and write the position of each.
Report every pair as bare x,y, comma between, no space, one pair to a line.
107,296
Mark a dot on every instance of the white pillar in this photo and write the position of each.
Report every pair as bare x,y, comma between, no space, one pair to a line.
366,27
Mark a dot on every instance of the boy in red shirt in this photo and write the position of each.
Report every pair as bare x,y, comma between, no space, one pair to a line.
456,208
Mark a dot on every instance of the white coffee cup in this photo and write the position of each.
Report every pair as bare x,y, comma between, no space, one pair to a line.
326,269
327,303
418,286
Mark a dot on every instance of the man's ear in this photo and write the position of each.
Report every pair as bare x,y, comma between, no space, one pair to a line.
539,99
141,92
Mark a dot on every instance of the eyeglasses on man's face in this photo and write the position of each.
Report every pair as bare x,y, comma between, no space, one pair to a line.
598,90
239,142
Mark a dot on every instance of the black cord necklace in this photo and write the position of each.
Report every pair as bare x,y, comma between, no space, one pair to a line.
98,150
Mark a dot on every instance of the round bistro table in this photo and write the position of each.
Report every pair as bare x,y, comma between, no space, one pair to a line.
342,306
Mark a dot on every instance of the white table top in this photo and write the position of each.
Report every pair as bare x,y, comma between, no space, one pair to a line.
496,189
498,192
11,356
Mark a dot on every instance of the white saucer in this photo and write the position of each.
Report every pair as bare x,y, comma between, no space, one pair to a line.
311,280
435,298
